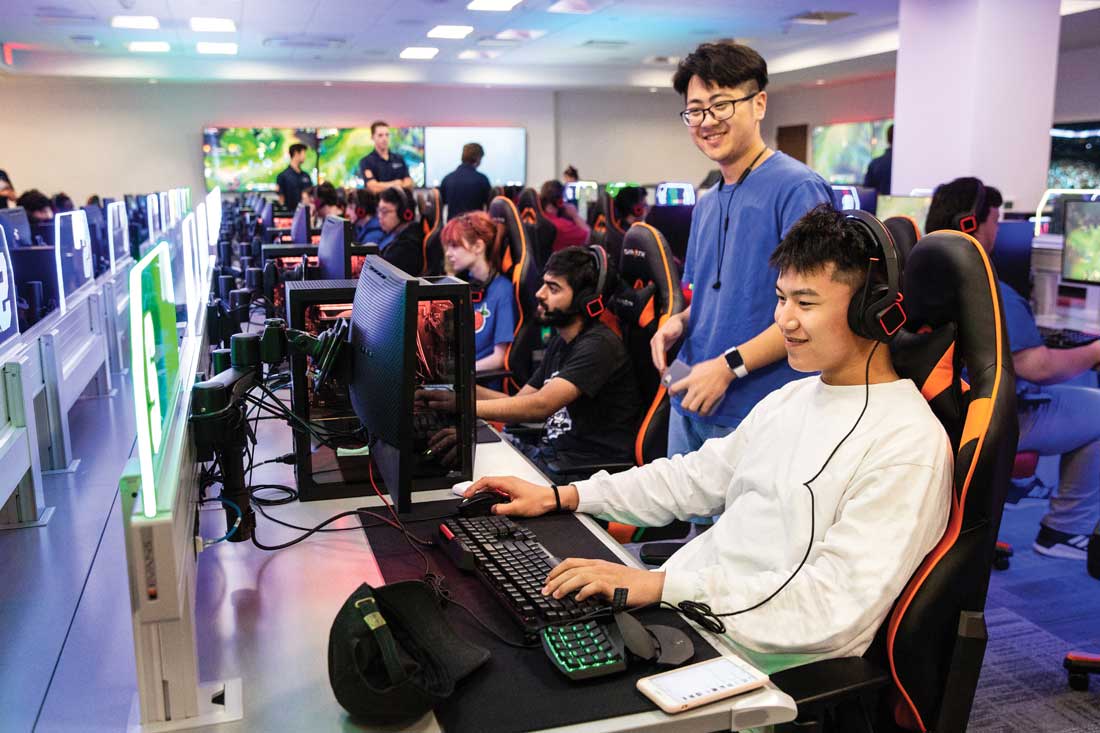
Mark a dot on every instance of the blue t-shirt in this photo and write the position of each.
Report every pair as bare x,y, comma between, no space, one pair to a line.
761,210
1023,333
369,231
494,317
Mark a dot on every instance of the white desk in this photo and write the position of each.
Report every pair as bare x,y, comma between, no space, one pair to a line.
265,617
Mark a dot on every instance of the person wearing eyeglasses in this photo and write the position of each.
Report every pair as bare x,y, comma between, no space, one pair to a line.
731,344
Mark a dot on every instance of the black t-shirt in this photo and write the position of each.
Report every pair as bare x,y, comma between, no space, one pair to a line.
391,169
464,189
291,184
600,424
406,251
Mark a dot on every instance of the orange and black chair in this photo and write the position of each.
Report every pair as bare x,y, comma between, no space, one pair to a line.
905,231
923,668
532,214
431,221
598,215
519,267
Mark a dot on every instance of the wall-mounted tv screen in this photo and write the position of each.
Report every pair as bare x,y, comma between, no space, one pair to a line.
505,161
251,158
1081,250
1074,155
841,152
340,150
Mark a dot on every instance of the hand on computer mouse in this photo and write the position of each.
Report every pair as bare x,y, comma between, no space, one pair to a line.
527,499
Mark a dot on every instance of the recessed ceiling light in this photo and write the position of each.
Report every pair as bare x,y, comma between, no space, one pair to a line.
653,90
216,49
820,82
475,55
573,7
135,22
496,6
513,34
213,25
419,52
152,81
149,47
450,31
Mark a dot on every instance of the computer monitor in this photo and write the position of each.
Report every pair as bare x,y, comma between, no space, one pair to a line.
850,198
72,253
411,336
505,161
267,214
164,211
97,229
17,227
9,301
614,187
675,194
35,276
299,225
1081,248
152,212
42,233
118,233
915,207
582,194
333,252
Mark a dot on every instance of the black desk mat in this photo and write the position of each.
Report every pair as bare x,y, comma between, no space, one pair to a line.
518,689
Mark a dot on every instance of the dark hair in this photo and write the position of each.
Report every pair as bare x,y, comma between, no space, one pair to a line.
577,266
62,202
363,199
721,64
890,134
34,200
326,194
375,125
551,193
957,197
822,236
627,198
472,153
571,171
94,200
394,196
296,148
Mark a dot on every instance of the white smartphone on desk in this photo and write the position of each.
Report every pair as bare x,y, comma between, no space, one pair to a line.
700,683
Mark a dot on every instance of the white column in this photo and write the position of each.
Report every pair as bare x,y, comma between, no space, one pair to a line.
974,94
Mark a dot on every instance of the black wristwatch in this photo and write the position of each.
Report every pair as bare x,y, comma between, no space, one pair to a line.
736,363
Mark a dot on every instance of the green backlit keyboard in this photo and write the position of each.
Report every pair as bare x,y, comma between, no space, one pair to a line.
585,649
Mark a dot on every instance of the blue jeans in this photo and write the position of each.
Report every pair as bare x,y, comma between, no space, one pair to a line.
1068,425
687,433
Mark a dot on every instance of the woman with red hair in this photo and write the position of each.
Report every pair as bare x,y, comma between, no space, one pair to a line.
471,244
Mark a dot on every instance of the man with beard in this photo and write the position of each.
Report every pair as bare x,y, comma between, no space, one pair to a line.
584,389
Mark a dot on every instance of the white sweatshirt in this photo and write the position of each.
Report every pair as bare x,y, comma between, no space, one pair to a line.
879,507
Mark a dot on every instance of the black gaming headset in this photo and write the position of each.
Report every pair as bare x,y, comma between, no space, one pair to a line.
635,208
968,221
406,211
591,301
875,311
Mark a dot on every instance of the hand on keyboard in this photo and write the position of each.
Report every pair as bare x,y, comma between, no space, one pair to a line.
599,578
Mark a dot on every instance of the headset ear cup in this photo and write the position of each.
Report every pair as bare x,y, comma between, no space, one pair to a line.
863,318
638,211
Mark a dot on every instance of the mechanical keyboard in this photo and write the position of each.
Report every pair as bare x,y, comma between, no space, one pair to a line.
1064,338
511,561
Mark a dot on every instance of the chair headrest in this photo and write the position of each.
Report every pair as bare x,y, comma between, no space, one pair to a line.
906,232
646,257
503,210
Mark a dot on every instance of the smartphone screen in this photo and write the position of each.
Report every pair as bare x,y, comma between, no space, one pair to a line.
697,681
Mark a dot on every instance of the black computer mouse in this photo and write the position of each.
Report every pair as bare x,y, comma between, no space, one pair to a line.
480,504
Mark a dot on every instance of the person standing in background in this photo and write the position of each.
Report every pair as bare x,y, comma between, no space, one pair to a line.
465,189
7,190
570,175
381,169
293,180
880,170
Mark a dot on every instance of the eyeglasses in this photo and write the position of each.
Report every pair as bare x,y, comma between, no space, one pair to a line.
719,111
384,210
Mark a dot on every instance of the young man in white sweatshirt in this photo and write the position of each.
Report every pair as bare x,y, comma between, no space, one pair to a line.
877,459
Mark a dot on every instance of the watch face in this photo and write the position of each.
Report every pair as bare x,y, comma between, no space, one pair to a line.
734,360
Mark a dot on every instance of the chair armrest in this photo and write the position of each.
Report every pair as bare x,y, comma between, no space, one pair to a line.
828,681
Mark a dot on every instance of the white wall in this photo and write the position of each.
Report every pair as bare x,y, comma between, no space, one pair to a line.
634,136
114,137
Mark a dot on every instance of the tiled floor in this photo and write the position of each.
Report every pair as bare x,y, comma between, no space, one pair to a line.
66,647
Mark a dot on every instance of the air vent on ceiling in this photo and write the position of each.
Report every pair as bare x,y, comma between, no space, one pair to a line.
85,41
663,60
61,15
604,44
819,17
305,41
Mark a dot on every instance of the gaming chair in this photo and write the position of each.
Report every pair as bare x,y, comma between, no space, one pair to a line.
519,267
925,662
431,220
532,214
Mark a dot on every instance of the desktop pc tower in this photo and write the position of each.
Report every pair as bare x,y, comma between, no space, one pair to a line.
412,377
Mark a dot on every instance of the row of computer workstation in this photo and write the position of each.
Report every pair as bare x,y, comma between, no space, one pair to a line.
64,329
273,380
